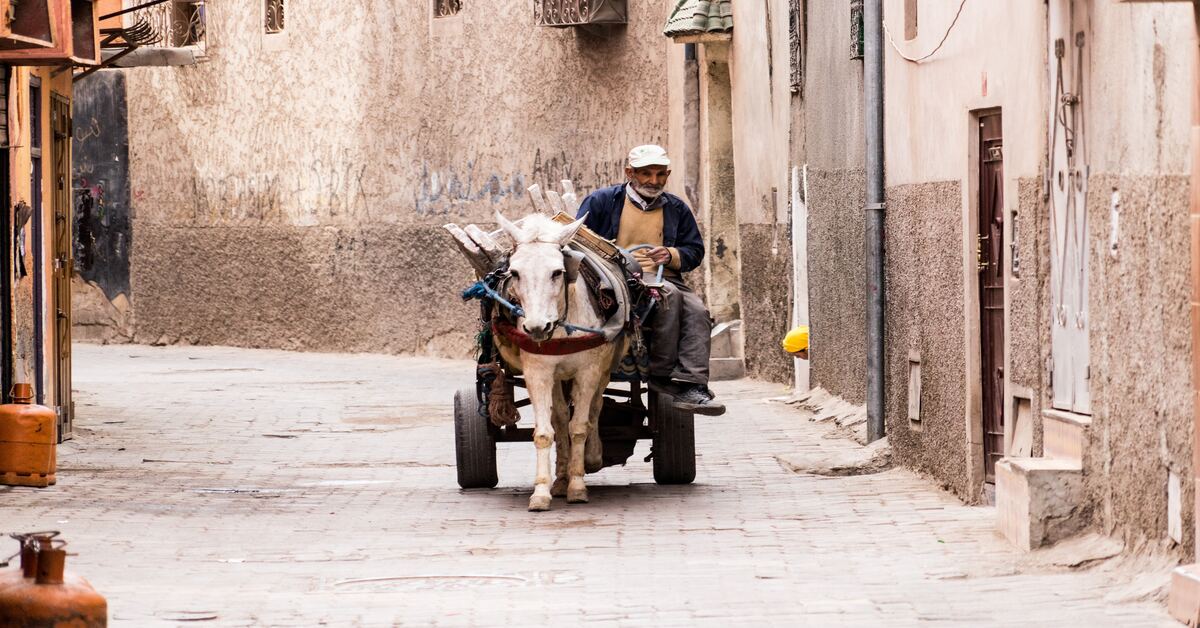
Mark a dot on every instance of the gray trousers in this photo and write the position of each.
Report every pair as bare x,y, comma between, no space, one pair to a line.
680,331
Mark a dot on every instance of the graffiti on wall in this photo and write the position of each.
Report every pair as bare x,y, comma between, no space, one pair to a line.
101,183
341,188
445,191
327,188
453,191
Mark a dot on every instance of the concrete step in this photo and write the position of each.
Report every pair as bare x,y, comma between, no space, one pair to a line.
1064,435
726,361
1184,601
1040,501
727,340
725,369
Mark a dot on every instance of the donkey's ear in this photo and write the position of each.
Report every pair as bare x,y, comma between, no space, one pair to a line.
568,232
516,233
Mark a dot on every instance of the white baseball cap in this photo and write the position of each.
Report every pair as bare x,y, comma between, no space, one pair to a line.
648,155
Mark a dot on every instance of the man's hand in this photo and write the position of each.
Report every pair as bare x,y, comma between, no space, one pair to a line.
659,255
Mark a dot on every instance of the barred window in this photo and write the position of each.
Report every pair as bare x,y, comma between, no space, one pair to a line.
446,8
796,24
188,23
273,17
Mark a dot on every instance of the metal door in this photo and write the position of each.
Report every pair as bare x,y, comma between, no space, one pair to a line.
1067,182
991,287
60,128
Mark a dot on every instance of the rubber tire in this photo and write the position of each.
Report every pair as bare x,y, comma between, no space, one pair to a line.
474,445
674,441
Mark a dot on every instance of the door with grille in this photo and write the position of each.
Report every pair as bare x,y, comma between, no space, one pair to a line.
1068,180
64,267
991,287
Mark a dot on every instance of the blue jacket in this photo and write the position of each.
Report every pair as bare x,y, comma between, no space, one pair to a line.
604,206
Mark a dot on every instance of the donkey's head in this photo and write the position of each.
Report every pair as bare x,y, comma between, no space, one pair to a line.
538,268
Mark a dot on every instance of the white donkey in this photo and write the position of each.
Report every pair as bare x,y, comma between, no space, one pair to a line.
553,300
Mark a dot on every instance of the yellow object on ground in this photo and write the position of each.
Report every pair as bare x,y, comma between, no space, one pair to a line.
796,340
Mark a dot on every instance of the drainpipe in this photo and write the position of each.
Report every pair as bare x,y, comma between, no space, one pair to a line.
1194,220
873,104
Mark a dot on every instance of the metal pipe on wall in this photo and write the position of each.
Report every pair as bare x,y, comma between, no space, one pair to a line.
873,102
1194,224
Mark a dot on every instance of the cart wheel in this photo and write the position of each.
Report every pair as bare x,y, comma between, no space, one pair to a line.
474,445
674,441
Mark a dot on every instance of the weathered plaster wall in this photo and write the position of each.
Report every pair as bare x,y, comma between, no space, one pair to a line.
37,252
766,289
289,191
761,109
759,68
834,148
1139,123
1141,350
979,66
100,306
1029,298
924,314
837,281
931,139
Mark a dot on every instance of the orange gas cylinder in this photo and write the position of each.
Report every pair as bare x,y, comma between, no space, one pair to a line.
52,598
27,440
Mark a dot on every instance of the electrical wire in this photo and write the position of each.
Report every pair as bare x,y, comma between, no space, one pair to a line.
932,52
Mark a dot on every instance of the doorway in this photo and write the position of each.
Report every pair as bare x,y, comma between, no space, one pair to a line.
1070,372
64,265
6,249
37,228
990,264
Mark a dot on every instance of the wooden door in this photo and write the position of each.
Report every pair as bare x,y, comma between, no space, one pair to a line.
991,287
1068,58
6,248
60,128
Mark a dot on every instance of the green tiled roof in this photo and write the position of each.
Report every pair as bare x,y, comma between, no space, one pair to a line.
700,16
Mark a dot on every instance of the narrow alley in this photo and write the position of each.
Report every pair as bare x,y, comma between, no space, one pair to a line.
254,487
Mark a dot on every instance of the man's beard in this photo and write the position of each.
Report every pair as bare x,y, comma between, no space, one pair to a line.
648,192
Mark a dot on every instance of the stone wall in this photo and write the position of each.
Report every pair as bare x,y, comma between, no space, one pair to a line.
837,289
1141,349
1027,318
830,139
924,316
289,190
766,296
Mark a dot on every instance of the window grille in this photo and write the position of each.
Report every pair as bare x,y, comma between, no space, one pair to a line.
173,24
796,42
446,8
273,17
579,12
856,29
188,24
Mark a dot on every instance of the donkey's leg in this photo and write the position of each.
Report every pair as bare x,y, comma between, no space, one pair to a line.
562,442
582,395
541,397
593,455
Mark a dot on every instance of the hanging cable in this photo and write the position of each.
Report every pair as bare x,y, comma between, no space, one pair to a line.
932,52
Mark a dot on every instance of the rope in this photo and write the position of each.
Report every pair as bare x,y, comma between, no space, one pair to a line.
934,51
480,290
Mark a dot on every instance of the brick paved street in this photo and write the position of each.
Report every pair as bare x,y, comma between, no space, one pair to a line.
267,488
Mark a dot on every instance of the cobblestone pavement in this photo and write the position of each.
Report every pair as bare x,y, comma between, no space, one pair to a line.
249,487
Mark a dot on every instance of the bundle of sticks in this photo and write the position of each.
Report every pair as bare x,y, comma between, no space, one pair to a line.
486,249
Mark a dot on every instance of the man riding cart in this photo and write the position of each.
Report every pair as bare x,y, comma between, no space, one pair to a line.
568,306
640,212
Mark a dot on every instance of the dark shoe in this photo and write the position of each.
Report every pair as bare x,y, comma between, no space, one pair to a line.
664,386
700,400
